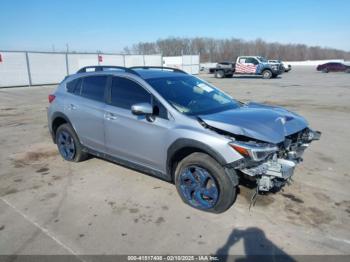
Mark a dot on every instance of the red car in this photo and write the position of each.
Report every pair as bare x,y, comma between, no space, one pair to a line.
333,67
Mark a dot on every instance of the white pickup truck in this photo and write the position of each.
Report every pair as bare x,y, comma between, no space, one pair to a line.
248,65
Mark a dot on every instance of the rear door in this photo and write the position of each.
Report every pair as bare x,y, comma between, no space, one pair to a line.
135,138
85,109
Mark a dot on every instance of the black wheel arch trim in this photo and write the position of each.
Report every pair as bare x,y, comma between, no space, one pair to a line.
53,118
183,143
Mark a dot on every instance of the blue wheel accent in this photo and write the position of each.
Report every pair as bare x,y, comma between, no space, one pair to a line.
66,145
198,187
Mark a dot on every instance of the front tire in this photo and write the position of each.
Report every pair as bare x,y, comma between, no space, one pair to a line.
266,74
68,144
203,183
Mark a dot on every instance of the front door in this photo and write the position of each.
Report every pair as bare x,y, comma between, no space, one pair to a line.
130,137
246,65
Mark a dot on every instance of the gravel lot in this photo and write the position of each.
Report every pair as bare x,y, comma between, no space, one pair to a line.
49,206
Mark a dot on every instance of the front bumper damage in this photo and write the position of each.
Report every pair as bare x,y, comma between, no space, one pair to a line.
272,174
276,171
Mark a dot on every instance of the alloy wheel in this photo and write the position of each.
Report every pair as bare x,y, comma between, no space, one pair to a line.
199,187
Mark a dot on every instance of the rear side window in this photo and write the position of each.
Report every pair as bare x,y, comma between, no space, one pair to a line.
125,93
94,87
74,86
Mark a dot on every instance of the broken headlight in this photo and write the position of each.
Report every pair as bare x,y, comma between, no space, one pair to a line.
255,151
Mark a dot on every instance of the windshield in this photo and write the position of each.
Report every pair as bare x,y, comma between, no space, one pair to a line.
192,96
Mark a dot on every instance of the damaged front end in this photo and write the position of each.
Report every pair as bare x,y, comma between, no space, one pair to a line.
272,166
270,139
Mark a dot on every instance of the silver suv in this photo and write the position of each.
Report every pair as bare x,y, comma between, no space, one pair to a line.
178,127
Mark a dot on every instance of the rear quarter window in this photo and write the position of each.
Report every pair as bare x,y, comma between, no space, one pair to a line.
93,87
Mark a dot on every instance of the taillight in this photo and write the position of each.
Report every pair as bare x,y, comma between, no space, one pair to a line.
51,98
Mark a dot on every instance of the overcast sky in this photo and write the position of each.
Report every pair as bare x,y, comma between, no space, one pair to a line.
90,25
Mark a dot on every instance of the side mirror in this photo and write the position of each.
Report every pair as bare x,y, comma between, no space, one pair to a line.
142,109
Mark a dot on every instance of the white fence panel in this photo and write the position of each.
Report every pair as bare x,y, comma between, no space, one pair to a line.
51,68
13,69
195,60
188,63
187,69
187,60
194,69
134,60
153,60
172,60
77,61
191,64
115,60
47,68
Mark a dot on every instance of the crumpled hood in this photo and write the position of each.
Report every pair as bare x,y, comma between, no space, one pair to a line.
259,121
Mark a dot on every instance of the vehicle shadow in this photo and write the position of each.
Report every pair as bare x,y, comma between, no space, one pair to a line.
256,246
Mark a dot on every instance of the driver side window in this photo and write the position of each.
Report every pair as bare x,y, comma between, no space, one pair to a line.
251,60
125,93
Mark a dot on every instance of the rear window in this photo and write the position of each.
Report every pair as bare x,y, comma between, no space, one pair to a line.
94,87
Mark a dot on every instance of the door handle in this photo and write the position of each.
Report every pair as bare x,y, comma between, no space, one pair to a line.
110,116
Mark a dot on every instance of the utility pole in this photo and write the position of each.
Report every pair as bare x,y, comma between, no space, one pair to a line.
67,47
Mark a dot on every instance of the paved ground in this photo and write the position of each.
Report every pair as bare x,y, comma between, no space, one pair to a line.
49,206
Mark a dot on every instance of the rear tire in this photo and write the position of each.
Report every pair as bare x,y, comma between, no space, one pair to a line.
266,74
69,145
219,74
189,176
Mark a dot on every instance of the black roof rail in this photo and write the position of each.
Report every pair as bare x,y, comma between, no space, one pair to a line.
159,67
99,68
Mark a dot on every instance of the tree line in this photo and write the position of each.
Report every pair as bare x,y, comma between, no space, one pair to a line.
215,50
